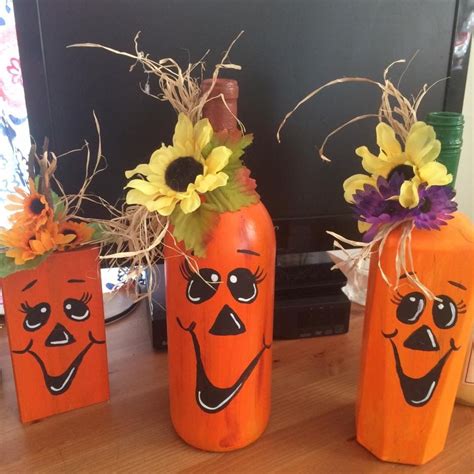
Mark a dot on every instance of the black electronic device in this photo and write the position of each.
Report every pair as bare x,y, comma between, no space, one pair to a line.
156,310
309,301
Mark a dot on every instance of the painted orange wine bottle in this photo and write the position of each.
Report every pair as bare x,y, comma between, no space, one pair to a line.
220,320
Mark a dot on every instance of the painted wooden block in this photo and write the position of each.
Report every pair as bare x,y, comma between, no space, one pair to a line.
413,348
220,333
56,331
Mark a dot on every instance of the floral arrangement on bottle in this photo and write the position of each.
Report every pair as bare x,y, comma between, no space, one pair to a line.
43,221
404,185
193,180
186,184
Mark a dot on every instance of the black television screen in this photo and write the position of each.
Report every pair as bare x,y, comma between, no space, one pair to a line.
289,48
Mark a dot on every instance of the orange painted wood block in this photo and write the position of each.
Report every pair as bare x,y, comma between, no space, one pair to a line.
56,332
220,333
413,348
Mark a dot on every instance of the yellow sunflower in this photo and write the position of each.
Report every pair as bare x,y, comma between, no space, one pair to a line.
25,243
179,173
28,207
80,230
17,241
416,163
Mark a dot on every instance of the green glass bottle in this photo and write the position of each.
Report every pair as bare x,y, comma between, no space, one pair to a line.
448,127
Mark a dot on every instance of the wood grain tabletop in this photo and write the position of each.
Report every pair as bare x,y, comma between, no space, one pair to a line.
311,428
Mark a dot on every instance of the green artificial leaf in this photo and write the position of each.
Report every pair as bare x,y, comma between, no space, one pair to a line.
240,190
194,229
235,141
58,206
237,193
8,266
98,230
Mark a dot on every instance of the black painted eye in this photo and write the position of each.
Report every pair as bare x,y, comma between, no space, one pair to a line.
242,284
445,312
36,316
201,287
77,310
410,307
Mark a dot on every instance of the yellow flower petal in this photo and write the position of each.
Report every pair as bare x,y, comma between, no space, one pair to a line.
373,164
164,205
191,203
158,180
435,174
355,182
221,180
161,158
409,197
37,247
218,159
19,255
144,186
363,226
140,169
202,183
387,141
183,136
15,198
202,134
136,197
65,239
421,144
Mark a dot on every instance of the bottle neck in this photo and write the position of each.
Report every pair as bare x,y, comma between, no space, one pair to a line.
448,127
221,107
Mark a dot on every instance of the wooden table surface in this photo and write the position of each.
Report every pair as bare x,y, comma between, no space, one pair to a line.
311,428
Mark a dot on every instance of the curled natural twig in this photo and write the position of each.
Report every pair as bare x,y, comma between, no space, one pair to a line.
395,109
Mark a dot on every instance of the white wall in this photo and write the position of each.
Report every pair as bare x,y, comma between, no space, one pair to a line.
465,178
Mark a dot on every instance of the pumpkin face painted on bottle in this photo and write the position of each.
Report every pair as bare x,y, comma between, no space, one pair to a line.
425,330
414,348
56,331
220,334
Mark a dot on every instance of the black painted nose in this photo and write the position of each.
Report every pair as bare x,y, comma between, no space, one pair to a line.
227,323
422,339
59,336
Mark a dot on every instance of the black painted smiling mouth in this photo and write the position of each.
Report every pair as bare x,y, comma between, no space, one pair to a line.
210,398
418,391
58,384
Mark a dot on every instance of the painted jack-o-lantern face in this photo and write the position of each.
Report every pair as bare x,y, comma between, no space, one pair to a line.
414,348
432,334
56,332
220,333
243,286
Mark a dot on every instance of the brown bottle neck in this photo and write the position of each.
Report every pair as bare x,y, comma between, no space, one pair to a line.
221,108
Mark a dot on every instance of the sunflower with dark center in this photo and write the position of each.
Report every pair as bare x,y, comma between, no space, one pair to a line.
30,208
179,173
23,243
81,232
416,163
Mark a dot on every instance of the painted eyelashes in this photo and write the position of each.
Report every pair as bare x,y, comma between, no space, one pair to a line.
201,286
242,283
445,311
78,310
